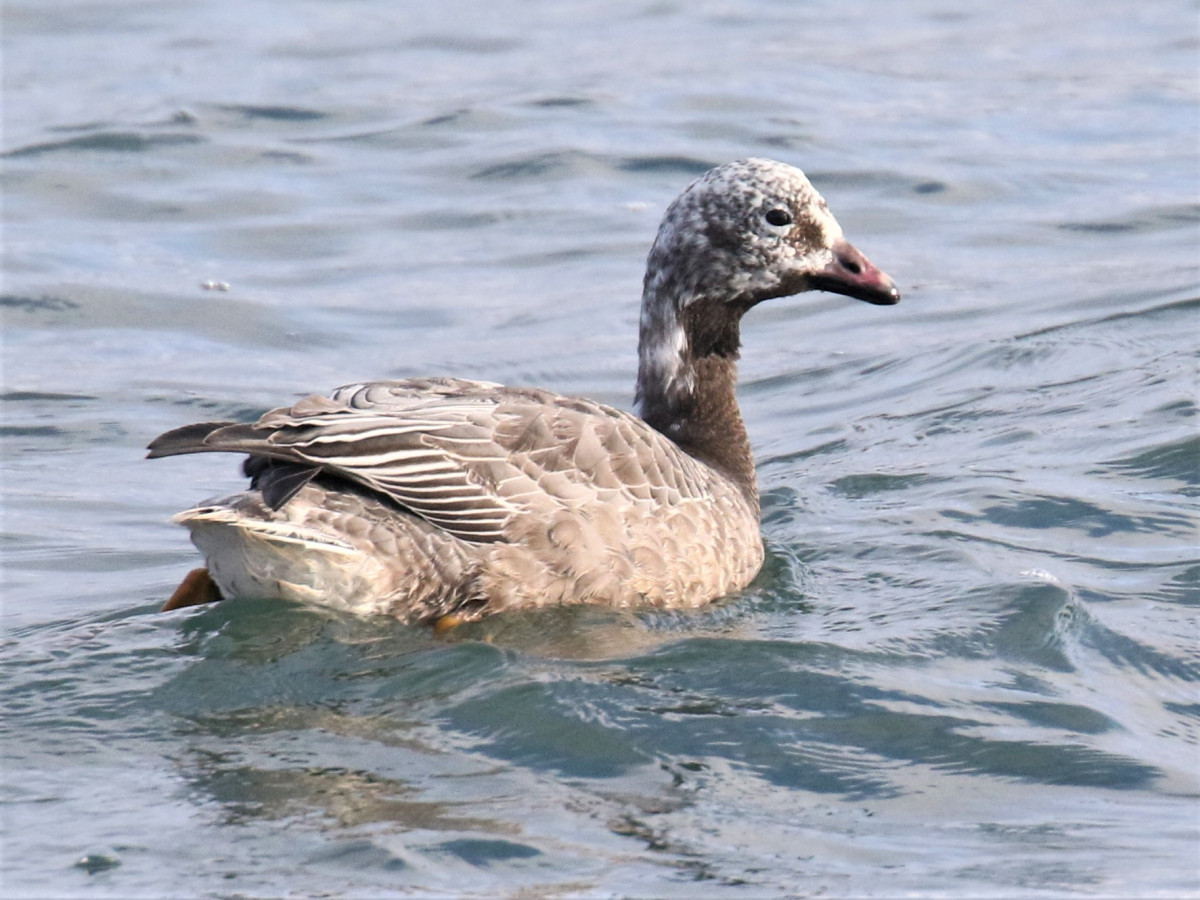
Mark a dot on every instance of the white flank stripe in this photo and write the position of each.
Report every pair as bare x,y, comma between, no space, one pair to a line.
388,460
445,477
447,439
462,489
461,515
356,431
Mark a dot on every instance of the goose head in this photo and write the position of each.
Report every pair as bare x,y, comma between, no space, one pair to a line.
745,232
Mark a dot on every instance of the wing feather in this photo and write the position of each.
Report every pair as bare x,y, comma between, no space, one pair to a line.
467,456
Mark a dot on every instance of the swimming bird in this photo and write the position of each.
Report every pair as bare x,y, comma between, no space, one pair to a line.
447,500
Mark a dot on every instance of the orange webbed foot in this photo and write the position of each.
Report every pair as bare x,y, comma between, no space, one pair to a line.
196,588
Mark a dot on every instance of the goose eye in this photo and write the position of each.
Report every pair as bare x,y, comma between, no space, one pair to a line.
779,217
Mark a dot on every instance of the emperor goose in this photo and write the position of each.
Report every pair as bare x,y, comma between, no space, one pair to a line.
445,499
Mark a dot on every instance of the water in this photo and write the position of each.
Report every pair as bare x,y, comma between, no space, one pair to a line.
969,667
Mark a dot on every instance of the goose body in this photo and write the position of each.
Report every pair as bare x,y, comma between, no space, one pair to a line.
449,499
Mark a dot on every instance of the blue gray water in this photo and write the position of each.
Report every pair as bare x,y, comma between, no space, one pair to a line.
970,666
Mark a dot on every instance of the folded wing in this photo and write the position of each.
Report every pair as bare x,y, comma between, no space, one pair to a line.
471,457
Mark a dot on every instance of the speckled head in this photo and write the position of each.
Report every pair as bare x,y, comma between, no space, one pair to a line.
751,230
744,232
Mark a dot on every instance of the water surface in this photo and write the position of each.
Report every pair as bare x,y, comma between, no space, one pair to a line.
969,666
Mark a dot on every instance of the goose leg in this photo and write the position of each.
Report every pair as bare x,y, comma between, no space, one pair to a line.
196,588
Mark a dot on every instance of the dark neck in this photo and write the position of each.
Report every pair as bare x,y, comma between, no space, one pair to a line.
692,400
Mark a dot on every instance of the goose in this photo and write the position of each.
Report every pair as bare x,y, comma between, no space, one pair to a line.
446,500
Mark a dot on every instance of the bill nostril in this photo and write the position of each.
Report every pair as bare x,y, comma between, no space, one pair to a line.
850,264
